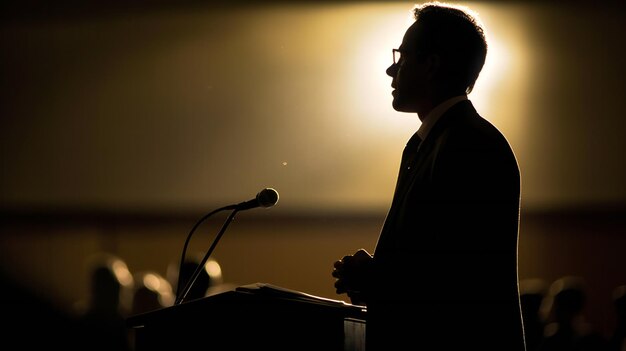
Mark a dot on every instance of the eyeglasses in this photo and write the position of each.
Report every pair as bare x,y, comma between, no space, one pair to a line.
397,55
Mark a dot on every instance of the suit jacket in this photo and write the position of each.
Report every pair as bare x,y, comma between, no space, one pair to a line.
445,265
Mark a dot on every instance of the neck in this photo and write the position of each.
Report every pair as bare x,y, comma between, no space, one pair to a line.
424,109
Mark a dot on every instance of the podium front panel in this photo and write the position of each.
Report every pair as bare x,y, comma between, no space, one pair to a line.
237,320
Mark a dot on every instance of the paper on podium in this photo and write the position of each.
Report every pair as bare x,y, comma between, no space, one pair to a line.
278,291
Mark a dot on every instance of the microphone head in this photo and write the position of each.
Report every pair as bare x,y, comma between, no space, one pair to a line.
267,197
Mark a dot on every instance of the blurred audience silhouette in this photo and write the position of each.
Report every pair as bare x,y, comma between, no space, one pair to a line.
567,328
209,282
152,292
102,324
553,315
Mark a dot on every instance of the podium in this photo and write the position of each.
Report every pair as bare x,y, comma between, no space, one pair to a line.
258,315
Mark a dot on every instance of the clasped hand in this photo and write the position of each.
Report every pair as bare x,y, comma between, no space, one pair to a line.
352,273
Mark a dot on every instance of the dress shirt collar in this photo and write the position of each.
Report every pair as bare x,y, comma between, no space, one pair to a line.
436,113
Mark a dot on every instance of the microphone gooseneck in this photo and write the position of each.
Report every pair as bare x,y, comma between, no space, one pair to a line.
182,294
267,197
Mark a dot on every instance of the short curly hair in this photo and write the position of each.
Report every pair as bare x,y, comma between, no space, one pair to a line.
457,35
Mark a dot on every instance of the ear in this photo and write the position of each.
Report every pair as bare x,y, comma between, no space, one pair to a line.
433,65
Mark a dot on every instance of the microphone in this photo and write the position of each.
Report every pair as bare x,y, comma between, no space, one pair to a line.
267,197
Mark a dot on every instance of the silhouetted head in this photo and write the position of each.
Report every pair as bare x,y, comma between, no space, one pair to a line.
441,55
152,292
568,298
105,287
109,275
208,277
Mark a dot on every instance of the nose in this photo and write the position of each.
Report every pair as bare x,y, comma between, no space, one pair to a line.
392,70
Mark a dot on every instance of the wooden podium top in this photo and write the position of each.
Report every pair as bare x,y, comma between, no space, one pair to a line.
251,316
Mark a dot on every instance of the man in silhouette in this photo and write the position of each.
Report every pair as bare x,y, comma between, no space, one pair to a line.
444,272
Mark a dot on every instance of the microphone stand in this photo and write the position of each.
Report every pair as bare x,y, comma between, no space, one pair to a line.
182,258
200,267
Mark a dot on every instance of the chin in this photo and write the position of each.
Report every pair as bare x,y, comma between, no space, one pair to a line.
400,107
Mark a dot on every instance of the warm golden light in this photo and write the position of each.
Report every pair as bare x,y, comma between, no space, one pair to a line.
162,289
152,282
121,271
214,270
289,96
500,94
